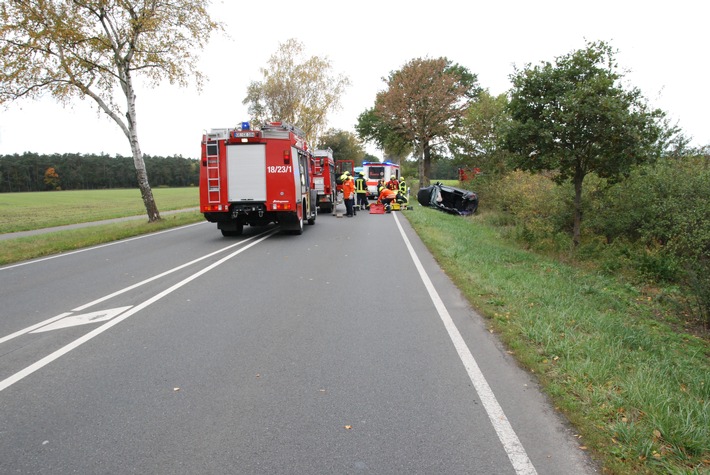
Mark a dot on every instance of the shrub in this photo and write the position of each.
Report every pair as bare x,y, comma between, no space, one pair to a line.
665,209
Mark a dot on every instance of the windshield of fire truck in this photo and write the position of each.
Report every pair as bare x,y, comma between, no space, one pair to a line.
375,173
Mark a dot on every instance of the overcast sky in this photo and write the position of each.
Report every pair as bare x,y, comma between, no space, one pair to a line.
664,50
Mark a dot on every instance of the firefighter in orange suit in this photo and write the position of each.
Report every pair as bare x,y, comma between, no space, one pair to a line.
349,196
386,197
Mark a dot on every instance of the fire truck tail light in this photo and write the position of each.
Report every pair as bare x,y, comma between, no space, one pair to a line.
287,157
281,206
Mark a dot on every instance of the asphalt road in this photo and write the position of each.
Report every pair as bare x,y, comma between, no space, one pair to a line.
343,350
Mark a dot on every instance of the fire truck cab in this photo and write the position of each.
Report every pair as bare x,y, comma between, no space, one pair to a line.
257,177
324,179
375,171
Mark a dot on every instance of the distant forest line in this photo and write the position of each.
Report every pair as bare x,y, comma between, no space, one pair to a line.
75,171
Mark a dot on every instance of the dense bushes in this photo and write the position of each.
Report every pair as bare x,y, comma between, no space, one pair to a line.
665,209
654,225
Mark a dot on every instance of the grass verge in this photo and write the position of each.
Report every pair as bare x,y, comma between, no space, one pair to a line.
31,247
637,390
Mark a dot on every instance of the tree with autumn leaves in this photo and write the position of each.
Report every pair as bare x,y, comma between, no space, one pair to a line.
421,108
297,89
51,179
96,49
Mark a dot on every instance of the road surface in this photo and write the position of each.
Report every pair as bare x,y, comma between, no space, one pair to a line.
342,350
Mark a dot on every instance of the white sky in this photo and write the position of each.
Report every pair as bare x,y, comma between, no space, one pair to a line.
664,50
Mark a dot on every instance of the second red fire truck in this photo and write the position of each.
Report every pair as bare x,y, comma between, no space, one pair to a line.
257,177
324,179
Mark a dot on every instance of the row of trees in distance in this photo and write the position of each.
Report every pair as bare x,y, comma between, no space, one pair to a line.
74,171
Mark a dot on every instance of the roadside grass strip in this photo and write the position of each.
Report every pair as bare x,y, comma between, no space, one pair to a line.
637,390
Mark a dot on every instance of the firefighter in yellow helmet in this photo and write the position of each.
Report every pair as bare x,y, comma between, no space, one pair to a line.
380,186
403,193
361,191
392,184
349,195
386,197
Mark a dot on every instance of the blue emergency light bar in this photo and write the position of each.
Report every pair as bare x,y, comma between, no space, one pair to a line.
378,163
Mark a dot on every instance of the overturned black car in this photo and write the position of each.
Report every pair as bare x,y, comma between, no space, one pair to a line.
449,199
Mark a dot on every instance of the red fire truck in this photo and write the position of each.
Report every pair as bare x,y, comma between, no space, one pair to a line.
324,179
257,177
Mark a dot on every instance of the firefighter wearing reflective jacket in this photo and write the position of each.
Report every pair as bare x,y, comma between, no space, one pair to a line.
361,191
393,184
403,194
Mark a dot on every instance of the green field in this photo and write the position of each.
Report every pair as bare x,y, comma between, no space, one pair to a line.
28,211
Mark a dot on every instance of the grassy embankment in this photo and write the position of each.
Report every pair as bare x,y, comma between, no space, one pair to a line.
637,390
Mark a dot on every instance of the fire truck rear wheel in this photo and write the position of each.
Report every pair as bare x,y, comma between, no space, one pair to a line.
239,229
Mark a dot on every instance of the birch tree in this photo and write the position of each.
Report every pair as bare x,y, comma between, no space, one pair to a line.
296,89
96,49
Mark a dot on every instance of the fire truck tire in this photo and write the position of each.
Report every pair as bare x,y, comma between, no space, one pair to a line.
299,226
236,230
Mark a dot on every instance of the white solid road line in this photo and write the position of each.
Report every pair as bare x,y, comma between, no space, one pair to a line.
515,450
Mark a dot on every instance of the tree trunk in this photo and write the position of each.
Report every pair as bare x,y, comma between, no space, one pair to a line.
138,162
420,169
577,228
424,166
146,192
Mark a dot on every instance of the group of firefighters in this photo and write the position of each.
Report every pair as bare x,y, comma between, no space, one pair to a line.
387,192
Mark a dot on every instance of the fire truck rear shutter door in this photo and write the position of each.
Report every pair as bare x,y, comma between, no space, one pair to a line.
246,170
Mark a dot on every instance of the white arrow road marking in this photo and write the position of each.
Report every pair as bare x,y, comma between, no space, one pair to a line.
83,319
7,382
122,291
33,327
